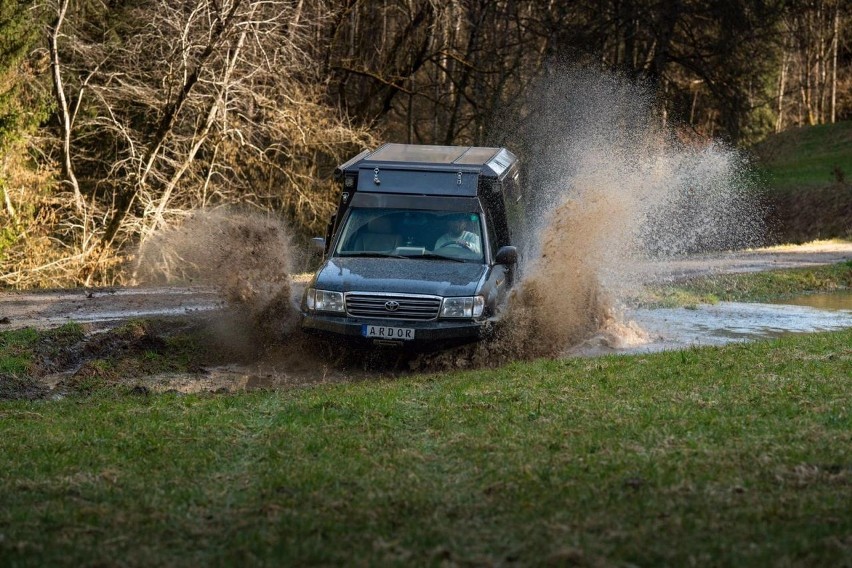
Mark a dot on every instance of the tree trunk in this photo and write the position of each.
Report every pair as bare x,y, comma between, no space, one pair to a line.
836,39
782,84
62,103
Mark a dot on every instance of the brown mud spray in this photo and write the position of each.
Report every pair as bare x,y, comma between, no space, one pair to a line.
246,256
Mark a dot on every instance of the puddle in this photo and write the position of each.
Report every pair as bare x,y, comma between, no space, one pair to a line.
642,331
653,330
728,322
46,309
835,301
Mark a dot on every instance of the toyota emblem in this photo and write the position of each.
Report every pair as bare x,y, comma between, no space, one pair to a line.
391,306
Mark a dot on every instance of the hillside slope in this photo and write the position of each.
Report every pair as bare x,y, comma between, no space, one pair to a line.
808,172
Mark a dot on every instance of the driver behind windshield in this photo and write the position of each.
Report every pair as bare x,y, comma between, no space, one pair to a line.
458,235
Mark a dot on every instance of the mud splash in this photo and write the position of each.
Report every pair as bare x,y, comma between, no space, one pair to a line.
609,187
245,256
615,188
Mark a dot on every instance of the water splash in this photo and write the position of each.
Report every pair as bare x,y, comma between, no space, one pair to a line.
608,187
246,256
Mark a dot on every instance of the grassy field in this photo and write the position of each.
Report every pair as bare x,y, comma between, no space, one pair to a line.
733,456
807,157
808,172
751,287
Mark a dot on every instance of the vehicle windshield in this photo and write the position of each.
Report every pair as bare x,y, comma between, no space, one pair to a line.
412,233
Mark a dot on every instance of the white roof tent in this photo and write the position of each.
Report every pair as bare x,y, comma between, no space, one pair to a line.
426,170
450,178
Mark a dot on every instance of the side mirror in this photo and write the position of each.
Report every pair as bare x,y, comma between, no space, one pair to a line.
507,255
318,244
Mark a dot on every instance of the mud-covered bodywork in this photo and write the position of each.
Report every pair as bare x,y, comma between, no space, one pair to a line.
420,251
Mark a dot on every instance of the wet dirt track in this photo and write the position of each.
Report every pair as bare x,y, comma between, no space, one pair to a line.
297,364
101,306
46,309
756,260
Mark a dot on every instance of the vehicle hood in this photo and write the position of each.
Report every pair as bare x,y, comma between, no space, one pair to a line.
400,276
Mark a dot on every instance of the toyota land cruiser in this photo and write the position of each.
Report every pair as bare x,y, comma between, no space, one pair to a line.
419,253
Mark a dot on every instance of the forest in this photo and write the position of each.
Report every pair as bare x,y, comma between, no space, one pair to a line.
119,118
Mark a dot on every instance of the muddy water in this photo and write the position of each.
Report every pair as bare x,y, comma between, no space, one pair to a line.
841,301
614,190
635,331
301,361
720,324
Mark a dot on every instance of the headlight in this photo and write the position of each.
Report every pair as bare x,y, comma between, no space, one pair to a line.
324,301
469,307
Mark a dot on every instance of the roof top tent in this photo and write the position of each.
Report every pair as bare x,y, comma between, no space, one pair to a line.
491,174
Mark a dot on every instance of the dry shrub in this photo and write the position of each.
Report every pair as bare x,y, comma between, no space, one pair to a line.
52,248
45,242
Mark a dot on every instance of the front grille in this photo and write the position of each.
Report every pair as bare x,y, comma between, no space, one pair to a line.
419,308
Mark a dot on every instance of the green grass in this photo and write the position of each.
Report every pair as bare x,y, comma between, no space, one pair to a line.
752,287
806,157
85,363
734,456
19,349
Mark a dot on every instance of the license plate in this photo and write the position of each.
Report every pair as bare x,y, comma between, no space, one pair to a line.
386,332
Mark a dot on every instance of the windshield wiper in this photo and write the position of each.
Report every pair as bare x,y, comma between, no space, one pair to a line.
432,256
373,254
428,256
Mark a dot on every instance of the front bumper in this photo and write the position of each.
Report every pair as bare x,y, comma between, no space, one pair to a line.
427,334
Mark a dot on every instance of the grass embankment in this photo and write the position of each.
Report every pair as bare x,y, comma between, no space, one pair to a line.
752,287
807,157
809,174
733,456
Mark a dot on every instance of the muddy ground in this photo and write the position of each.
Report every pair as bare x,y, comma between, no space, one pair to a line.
106,307
188,339
756,260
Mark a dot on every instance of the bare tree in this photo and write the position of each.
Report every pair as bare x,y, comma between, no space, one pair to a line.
814,31
193,105
65,117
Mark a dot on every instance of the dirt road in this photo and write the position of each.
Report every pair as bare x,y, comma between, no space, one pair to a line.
52,308
45,309
298,362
